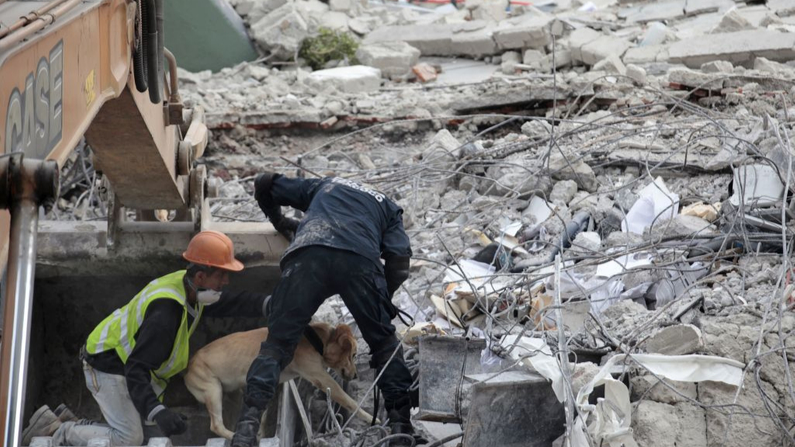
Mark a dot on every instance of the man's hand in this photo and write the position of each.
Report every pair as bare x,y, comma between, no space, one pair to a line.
287,227
171,423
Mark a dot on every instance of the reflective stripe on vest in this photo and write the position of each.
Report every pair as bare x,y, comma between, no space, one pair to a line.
117,331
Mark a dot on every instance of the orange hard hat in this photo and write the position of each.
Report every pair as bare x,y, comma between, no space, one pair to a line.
214,249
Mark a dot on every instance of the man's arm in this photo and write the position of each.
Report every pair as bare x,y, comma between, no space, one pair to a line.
153,345
273,191
396,251
237,304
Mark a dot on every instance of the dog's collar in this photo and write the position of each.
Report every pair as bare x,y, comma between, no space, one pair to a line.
314,339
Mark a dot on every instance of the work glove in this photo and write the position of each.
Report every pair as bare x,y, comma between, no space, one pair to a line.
171,423
287,227
396,271
262,187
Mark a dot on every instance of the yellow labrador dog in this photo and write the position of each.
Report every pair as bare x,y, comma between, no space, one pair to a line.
222,365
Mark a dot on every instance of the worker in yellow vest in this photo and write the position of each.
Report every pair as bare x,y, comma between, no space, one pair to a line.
130,356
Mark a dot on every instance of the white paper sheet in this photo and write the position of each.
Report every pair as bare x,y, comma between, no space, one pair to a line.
655,204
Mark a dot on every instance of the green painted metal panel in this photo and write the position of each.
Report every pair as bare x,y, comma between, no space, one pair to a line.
206,34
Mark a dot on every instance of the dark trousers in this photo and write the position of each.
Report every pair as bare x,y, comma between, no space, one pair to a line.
309,276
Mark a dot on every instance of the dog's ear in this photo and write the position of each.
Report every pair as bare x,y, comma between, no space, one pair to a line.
345,337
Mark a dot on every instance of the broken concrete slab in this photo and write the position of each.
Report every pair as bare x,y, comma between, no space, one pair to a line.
738,48
476,43
693,7
656,425
681,339
579,38
491,10
431,40
392,58
638,74
696,79
611,64
647,54
782,8
651,388
603,47
355,79
651,12
282,31
731,22
530,31
574,168
717,67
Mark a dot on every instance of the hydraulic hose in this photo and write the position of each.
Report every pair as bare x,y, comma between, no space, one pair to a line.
139,56
161,40
150,51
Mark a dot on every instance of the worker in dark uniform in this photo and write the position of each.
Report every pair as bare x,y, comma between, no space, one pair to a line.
130,356
336,249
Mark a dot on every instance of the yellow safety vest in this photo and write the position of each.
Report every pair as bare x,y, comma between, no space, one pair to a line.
118,330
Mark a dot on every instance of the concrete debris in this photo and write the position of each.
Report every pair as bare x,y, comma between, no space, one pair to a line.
424,72
732,21
675,340
394,59
356,79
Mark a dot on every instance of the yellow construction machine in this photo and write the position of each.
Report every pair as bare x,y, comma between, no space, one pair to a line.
86,68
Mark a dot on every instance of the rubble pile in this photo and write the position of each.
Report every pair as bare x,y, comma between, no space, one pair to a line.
600,193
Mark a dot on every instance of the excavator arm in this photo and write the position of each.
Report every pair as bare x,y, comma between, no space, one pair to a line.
69,69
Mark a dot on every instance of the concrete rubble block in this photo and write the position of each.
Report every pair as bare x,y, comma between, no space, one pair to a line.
533,57
282,31
334,20
491,10
529,31
431,40
782,8
649,387
645,55
159,442
355,79
341,5
604,47
638,74
579,38
394,59
730,337
424,72
536,128
717,67
730,22
728,422
563,192
694,7
611,64
680,226
681,339
737,48
696,79
510,59
474,43
655,11
574,168
259,9
652,421
443,147
560,59
765,65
